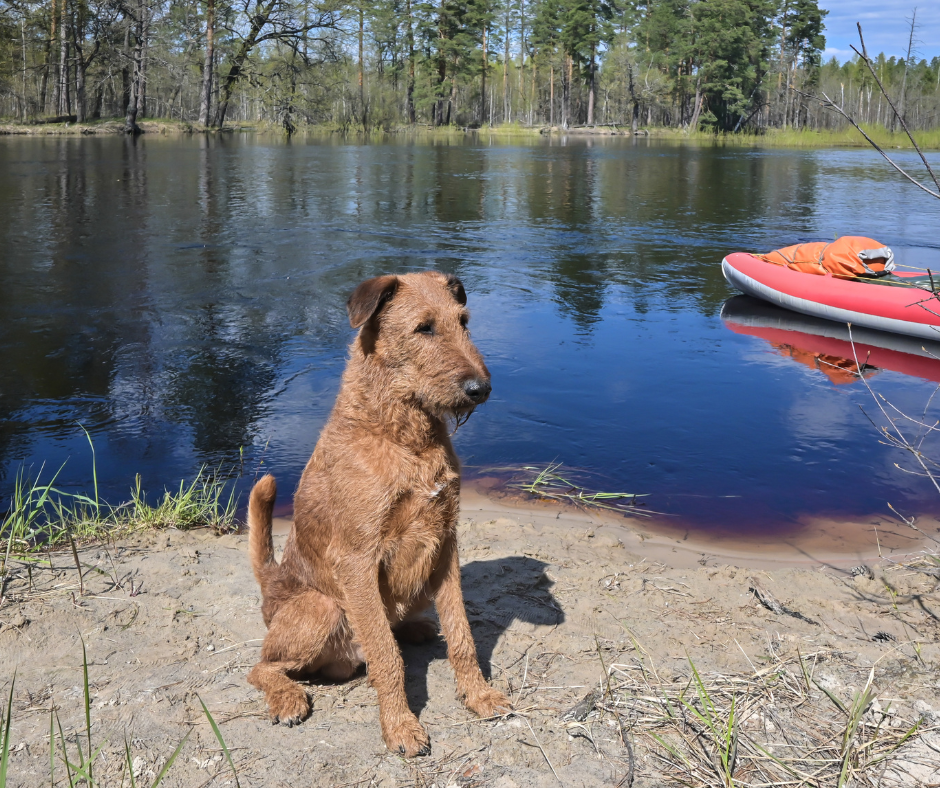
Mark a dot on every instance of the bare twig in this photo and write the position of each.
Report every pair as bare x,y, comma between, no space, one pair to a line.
864,55
78,567
544,754
828,103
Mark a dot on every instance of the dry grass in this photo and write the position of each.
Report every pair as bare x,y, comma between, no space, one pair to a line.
777,726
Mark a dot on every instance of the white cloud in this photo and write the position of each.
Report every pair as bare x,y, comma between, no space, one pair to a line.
885,24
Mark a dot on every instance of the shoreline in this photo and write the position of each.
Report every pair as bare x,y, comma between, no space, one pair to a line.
821,542
772,138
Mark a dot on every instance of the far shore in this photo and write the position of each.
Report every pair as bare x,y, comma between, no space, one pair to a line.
789,138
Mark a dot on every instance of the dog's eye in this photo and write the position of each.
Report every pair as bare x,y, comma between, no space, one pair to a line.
464,320
425,328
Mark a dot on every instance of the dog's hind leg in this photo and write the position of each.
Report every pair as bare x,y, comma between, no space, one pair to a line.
298,641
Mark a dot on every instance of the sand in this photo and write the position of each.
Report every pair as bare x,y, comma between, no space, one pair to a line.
556,598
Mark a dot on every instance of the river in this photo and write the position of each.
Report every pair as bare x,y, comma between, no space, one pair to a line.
182,298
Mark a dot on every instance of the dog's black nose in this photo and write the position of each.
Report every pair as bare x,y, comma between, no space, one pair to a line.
478,390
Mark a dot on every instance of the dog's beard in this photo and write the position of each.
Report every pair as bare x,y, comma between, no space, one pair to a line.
461,417
457,415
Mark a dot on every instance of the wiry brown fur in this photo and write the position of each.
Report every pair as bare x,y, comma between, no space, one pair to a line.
374,536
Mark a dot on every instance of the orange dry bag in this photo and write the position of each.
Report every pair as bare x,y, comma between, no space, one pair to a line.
848,256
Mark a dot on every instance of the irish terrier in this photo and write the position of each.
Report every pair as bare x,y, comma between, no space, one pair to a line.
374,539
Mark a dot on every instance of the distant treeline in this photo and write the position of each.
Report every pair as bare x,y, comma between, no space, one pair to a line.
716,64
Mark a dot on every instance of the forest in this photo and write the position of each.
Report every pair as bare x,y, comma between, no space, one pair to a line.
719,65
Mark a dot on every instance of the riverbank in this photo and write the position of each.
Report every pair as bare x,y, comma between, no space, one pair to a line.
788,138
564,604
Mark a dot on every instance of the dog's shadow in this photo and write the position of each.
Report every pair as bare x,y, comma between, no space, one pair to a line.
497,593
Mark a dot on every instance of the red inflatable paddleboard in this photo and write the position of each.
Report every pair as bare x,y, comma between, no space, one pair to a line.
904,310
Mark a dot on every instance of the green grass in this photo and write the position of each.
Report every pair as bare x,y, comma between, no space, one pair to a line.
548,483
79,768
5,735
40,516
847,137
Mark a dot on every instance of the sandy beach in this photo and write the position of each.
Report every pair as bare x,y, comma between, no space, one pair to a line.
564,605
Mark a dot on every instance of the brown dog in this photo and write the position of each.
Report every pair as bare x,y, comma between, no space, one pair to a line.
374,538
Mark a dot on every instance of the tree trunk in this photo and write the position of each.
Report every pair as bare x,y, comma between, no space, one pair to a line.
783,38
130,116
483,81
81,65
567,90
142,62
521,55
63,105
205,105
452,104
362,100
50,65
24,108
507,112
635,121
411,66
99,100
591,93
693,124
126,69
907,63
438,119
551,95
258,21
81,68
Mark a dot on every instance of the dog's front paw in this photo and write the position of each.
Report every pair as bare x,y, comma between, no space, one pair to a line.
407,737
288,706
488,703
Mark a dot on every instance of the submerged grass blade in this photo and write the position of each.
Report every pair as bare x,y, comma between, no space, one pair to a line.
553,483
94,469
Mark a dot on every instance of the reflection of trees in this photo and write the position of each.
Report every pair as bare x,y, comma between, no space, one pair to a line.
142,297
563,190
460,184
580,285
57,291
220,387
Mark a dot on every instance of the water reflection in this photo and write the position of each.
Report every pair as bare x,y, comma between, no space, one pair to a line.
830,348
183,298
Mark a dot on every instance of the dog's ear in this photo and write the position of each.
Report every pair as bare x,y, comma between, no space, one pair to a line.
369,298
456,287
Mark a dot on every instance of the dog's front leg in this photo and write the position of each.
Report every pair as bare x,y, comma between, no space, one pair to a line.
479,696
366,613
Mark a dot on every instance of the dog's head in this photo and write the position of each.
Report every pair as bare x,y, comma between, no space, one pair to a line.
415,326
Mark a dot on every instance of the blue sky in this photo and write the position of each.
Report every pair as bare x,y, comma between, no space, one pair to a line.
885,25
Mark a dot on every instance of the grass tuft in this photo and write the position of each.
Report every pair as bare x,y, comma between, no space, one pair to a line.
556,483
40,516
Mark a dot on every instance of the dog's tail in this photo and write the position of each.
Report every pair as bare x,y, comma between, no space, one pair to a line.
260,544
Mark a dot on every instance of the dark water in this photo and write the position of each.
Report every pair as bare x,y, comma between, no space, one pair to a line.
183,299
